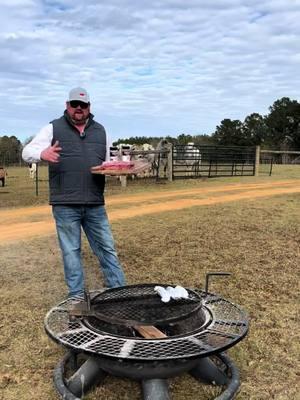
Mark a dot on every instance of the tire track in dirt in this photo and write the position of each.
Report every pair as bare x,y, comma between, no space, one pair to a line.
186,203
27,230
38,211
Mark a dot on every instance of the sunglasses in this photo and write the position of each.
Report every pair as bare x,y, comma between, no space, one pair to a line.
76,103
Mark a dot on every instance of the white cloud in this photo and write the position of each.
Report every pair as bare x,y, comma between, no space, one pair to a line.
185,65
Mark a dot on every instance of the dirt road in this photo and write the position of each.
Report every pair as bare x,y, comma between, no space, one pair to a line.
26,223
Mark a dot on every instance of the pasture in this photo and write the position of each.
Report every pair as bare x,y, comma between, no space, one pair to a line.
20,190
256,239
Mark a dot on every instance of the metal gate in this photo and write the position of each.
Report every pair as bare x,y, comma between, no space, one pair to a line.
196,161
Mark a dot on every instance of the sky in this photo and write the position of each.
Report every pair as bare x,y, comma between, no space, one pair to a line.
152,68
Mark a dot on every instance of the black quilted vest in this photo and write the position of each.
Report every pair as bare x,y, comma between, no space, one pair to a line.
71,181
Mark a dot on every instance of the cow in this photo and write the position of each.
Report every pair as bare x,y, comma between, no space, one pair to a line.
121,152
125,150
32,170
187,158
148,156
136,152
192,158
113,153
147,147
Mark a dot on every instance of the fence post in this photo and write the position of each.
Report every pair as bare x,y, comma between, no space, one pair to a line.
257,157
37,180
170,162
123,180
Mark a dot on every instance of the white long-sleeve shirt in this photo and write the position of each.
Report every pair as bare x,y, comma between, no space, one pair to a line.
32,151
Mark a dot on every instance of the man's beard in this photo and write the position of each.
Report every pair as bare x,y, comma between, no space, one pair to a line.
80,121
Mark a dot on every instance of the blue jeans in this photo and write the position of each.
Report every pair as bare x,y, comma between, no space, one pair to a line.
94,221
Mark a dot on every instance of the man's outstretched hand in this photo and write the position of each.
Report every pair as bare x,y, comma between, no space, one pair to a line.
51,153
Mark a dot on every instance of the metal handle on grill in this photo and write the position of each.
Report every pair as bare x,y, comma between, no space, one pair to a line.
87,299
208,275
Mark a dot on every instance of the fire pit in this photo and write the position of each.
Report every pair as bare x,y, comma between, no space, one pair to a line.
129,332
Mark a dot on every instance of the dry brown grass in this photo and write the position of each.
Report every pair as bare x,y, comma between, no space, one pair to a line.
20,190
257,241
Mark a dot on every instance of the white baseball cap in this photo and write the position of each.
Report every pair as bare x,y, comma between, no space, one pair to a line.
79,94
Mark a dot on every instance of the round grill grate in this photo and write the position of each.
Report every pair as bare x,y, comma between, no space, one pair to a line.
227,324
140,304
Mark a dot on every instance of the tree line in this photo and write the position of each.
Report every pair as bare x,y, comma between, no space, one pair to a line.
10,150
278,130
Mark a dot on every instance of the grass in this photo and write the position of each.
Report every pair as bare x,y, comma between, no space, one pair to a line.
257,241
20,190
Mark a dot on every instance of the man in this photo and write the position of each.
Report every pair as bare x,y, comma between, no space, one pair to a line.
72,145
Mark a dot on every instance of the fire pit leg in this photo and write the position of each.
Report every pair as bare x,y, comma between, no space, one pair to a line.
155,389
232,382
207,371
81,381
86,376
